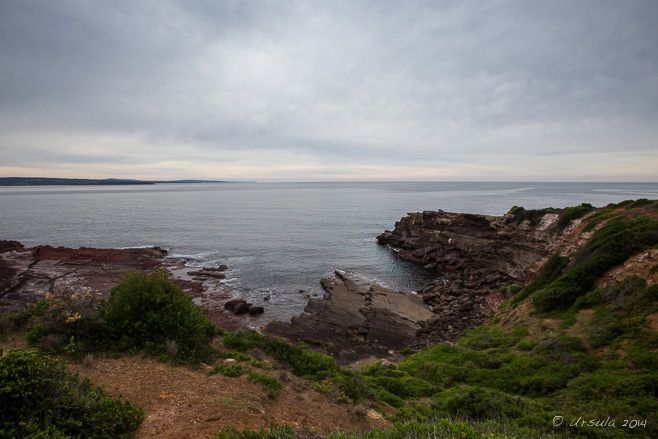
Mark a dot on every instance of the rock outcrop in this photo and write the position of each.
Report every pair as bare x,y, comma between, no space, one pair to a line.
357,308
356,319
474,256
26,274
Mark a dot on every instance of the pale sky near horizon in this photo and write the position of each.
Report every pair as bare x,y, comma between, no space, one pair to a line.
450,90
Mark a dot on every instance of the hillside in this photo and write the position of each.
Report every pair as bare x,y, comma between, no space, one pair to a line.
567,346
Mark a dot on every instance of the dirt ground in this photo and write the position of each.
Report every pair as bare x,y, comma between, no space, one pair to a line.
184,402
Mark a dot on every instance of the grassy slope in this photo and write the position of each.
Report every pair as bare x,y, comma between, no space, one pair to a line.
561,347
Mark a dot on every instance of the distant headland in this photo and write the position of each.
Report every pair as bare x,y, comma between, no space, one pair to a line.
42,181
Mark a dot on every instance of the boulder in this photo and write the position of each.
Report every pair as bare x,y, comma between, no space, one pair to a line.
231,304
242,308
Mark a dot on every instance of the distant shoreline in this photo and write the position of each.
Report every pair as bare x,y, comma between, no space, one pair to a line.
43,181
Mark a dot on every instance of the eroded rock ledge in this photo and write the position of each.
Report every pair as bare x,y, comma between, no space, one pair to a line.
355,319
26,274
473,256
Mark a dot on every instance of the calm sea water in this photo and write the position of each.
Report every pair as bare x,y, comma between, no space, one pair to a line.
277,238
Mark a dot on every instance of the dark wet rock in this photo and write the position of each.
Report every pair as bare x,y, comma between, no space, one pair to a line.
473,256
256,310
365,313
231,304
242,308
215,273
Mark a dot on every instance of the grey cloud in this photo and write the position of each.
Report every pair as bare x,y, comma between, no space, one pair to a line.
386,82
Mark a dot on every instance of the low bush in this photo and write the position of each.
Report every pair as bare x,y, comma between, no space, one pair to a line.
609,246
230,371
145,311
149,311
20,319
398,382
41,398
265,380
481,403
572,213
552,270
303,362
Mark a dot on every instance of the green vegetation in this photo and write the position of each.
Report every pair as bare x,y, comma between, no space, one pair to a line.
230,371
349,386
533,216
41,398
271,383
436,428
148,310
566,215
145,311
611,245
573,213
305,363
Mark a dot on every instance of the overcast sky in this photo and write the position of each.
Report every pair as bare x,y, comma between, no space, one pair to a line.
557,90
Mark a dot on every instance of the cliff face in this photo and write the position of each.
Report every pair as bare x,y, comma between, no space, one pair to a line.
473,251
474,256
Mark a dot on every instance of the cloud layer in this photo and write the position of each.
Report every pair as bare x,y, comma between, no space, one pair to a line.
418,90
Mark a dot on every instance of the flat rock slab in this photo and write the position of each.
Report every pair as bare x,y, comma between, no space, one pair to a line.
27,274
373,318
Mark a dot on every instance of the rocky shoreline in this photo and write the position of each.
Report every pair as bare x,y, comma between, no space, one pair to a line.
474,258
27,274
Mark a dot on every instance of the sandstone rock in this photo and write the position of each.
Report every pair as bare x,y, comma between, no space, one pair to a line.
27,274
353,304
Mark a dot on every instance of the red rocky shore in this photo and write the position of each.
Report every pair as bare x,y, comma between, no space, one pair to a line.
27,274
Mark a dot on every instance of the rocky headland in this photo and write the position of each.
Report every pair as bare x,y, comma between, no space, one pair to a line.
474,257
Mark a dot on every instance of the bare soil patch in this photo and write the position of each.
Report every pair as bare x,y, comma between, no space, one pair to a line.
183,402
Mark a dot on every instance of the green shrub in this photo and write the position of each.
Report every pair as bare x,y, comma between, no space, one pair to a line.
303,361
267,381
435,428
20,319
572,213
609,246
486,337
230,371
533,216
482,403
597,218
641,202
552,270
41,398
72,314
398,382
149,310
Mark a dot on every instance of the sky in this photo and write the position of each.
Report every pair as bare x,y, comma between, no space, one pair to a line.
449,90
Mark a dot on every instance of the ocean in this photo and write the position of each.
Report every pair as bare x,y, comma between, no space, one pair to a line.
278,239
